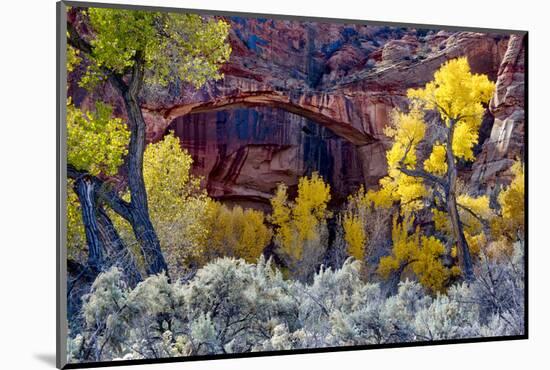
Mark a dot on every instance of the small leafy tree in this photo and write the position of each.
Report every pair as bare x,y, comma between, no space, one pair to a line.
354,234
511,223
301,226
128,48
366,228
234,232
457,96
178,205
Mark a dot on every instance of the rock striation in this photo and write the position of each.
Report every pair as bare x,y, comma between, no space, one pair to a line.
243,154
506,141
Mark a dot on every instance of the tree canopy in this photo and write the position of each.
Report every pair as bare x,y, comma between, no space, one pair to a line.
458,97
170,45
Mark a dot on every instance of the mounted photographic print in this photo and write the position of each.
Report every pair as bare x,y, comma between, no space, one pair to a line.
236,185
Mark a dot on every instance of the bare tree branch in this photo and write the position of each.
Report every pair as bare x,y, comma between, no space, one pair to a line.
418,172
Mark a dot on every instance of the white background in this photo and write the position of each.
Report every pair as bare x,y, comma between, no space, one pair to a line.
27,182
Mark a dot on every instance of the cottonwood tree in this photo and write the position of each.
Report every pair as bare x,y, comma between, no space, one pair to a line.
457,97
354,234
128,48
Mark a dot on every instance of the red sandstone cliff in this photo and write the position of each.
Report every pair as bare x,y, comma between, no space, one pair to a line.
506,142
302,96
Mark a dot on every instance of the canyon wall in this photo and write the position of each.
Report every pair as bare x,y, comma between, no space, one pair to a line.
302,96
506,142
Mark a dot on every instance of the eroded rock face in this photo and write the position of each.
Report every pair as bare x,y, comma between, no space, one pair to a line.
341,79
243,154
334,74
506,142
396,51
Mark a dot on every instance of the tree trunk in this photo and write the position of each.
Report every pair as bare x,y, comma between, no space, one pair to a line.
139,211
463,251
149,242
84,187
118,253
105,247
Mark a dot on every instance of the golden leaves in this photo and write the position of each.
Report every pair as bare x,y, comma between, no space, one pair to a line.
419,253
299,221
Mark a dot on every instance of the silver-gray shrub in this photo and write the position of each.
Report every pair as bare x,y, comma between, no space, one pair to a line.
232,306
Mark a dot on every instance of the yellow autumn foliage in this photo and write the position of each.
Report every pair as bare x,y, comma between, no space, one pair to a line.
512,199
417,253
511,224
235,232
281,217
300,221
437,161
354,235
457,95
407,131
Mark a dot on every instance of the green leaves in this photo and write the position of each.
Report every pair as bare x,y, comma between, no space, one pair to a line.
198,48
171,45
73,58
96,142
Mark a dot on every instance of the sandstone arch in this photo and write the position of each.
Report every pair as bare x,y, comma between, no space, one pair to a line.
357,118
348,116
277,145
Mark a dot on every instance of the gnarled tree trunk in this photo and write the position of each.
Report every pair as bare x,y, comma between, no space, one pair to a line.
84,187
139,210
463,251
105,246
